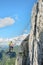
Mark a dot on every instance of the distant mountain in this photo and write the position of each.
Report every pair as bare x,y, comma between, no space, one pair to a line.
16,40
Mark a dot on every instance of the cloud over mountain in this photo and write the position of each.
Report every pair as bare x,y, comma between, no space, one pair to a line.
6,21
15,40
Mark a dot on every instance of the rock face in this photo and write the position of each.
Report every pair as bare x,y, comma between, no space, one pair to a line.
36,35
25,51
34,54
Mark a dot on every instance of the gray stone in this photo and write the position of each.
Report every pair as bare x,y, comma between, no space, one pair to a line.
32,46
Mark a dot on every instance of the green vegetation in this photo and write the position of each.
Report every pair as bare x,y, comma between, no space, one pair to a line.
8,58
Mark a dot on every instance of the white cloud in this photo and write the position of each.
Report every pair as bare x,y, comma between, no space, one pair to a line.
16,40
6,21
1,39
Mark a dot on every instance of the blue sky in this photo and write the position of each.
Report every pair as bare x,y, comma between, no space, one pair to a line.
20,12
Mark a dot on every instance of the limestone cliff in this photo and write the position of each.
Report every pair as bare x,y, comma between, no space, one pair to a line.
36,35
35,39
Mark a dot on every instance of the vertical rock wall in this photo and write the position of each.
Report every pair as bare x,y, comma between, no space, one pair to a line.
36,35
34,56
